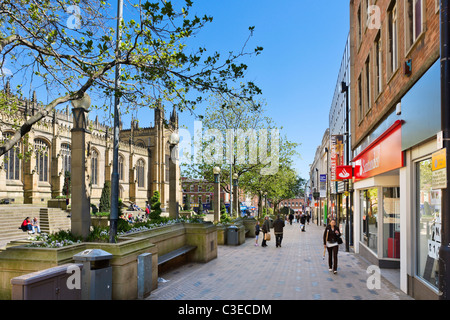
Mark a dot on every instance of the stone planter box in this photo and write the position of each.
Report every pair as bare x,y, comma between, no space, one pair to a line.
204,236
241,233
57,203
99,221
250,224
19,260
222,234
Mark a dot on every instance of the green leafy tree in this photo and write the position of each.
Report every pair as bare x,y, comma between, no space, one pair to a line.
67,55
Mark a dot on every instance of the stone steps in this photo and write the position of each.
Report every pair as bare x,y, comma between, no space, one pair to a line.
11,217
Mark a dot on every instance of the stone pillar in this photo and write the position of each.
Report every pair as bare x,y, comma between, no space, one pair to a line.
57,173
81,217
30,176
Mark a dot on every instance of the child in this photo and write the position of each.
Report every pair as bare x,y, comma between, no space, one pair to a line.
256,232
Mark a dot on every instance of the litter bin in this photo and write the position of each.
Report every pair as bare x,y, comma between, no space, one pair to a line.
232,236
96,275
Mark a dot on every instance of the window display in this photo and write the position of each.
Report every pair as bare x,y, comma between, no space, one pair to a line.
391,223
428,210
369,221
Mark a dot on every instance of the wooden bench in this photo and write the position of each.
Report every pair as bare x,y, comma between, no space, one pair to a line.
175,254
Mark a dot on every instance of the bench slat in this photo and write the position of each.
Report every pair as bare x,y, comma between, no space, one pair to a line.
175,253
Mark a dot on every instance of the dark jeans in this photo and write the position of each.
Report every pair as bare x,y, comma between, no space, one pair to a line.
333,257
278,239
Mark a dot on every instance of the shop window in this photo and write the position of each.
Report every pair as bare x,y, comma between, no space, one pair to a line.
369,221
428,211
391,223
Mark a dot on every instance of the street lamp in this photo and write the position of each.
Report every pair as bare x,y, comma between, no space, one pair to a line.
114,215
216,171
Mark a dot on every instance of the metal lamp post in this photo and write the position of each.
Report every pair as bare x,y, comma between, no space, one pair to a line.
344,89
444,252
235,193
216,171
173,161
114,216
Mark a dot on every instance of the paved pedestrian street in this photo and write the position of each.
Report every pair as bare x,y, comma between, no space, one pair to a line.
297,270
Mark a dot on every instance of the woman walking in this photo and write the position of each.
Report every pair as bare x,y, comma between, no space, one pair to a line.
331,241
265,229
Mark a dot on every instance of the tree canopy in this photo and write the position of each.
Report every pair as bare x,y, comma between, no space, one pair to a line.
66,49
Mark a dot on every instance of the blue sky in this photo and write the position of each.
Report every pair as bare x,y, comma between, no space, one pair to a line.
303,45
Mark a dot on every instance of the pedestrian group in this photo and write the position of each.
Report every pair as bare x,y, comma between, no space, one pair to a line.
331,236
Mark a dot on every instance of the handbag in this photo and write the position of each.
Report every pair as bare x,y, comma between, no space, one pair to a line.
267,236
339,240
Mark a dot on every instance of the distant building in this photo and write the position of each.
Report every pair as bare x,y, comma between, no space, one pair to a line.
297,204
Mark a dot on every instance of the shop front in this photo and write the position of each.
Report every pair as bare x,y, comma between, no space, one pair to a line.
377,199
421,199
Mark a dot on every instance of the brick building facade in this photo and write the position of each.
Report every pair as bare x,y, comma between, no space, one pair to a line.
395,90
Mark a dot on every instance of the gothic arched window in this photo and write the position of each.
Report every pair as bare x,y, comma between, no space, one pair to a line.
41,150
94,167
12,161
140,171
66,157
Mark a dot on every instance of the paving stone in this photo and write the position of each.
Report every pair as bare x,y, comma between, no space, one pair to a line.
297,270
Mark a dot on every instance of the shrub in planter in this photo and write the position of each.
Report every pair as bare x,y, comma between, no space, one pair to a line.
155,204
105,199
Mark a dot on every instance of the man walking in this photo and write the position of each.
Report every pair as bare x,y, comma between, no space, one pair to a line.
278,226
302,222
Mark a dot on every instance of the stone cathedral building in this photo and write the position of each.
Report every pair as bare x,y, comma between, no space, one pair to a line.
143,157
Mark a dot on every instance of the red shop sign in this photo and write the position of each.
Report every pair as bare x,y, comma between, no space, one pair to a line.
382,155
344,172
